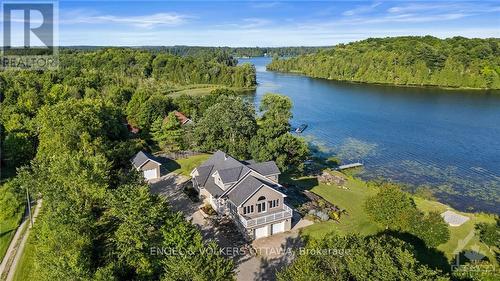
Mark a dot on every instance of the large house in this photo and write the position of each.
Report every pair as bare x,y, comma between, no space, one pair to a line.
246,191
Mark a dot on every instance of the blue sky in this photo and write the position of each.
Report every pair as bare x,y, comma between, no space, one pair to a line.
268,23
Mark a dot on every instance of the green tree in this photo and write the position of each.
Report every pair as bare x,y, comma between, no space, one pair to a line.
396,210
273,140
358,258
392,208
432,229
10,201
228,125
167,133
489,233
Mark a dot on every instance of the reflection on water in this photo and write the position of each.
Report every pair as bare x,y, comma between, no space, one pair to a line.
448,140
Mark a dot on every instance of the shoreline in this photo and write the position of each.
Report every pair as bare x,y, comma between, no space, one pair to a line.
484,90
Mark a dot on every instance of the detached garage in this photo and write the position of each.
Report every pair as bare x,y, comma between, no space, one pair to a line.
145,162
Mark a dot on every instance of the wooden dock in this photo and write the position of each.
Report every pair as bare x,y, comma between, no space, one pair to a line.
349,166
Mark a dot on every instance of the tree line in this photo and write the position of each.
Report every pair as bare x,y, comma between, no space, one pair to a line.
114,75
456,62
219,53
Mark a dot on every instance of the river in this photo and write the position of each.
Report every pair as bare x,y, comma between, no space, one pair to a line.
447,140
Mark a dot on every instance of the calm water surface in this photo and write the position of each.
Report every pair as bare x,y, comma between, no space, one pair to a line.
447,140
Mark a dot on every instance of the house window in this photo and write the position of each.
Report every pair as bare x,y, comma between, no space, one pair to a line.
261,206
248,209
273,203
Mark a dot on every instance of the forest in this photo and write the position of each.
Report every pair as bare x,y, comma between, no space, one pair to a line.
65,139
456,62
237,52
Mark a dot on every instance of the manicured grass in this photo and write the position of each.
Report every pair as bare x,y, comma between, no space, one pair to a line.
194,92
202,89
186,165
458,235
25,266
352,200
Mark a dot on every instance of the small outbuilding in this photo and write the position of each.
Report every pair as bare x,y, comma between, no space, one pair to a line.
146,163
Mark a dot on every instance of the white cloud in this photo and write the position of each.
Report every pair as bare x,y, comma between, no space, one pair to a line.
282,36
361,9
144,21
477,7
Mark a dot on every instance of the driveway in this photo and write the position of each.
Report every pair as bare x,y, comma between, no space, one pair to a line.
258,260
171,186
272,253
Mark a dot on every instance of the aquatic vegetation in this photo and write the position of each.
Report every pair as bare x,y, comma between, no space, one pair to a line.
354,149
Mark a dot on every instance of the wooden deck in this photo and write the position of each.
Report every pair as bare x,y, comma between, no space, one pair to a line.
349,166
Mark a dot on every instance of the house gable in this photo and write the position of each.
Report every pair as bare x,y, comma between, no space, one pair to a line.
264,191
149,164
141,158
247,186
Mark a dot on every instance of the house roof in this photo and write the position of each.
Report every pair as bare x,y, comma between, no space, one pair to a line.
141,158
231,175
265,168
180,117
244,189
231,170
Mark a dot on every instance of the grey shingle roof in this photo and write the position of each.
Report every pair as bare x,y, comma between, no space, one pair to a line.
265,168
214,189
140,158
231,174
231,170
204,173
244,189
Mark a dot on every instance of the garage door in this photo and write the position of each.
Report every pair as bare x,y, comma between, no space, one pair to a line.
261,232
150,174
278,227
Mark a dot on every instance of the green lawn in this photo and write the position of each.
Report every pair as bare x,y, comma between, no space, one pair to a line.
461,232
352,200
202,89
26,262
186,165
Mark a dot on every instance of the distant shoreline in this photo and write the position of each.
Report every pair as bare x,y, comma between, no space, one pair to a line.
296,72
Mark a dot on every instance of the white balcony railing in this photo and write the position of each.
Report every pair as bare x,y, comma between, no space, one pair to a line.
286,213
